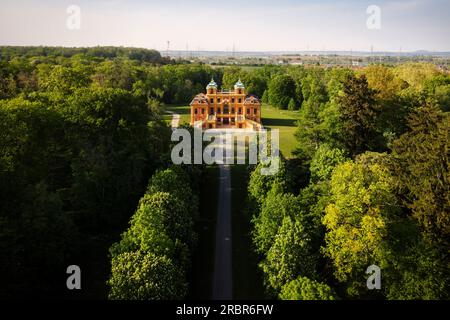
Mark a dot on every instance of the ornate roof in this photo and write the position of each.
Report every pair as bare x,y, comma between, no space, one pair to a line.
251,99
212,84
199,99
239,84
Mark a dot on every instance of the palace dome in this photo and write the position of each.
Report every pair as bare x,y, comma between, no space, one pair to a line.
212,84
239,85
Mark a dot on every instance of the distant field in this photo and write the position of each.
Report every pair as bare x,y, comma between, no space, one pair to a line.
183,111
285,121
243,67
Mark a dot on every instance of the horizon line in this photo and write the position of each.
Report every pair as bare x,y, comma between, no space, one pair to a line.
162,51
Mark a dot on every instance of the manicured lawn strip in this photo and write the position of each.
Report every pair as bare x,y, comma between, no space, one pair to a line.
203,257
247,282
183,110
285,121
273,118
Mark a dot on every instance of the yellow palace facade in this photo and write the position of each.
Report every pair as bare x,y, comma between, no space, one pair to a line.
226,108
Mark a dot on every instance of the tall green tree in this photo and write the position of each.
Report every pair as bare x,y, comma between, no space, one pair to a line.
358,113
357,219
146,276
303,288
276,206
291,255
281,91
422,169
324,161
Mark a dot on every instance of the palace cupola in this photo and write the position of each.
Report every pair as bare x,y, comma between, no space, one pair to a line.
211,88
239,87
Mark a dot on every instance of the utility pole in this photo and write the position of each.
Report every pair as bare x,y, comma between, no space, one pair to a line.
351,57
372,58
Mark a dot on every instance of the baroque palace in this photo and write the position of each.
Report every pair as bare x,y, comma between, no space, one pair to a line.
226,109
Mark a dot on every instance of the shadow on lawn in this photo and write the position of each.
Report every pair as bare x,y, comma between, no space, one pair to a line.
179,109
279,122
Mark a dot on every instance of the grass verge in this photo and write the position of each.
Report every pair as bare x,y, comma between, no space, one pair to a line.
285,121
247,281
183,110
203,258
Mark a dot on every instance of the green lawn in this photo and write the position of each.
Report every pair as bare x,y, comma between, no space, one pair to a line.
273,118
183,110
201,277
285,121
247,277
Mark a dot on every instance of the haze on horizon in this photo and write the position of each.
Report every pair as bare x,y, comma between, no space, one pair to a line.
246,25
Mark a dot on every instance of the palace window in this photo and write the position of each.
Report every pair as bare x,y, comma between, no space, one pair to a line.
211,100
211,111
195,111
240,111
218,100
255,111
239,100
232,110
203,111
248,111
232,100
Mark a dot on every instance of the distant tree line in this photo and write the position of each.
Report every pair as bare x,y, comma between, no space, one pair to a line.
138,54
144,72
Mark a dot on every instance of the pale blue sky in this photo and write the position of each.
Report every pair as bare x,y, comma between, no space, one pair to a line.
249,25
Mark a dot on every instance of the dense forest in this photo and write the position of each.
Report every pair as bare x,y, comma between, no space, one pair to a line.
85,177
369,186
